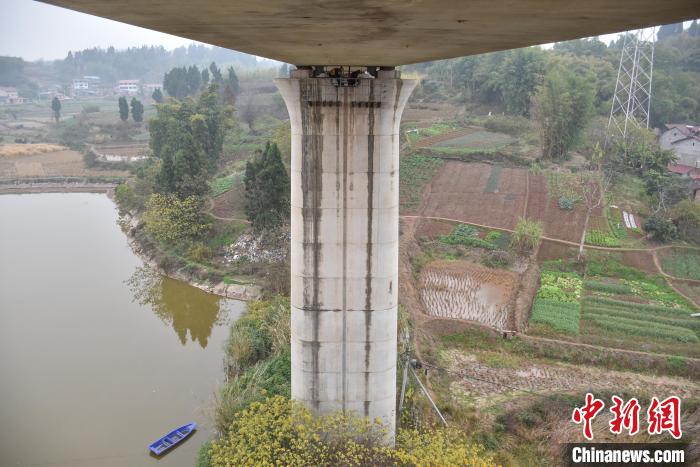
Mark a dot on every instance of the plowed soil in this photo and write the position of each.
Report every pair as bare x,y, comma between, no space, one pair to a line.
480,194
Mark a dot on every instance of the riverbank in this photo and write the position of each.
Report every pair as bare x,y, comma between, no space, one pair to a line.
151,256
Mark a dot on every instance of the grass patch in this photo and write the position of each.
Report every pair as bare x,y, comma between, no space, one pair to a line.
683,264
492,183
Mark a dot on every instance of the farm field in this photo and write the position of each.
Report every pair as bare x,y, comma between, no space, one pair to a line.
477,193
475,140
64,163
498,196
415,172
467,291
614,306
681,263
231,202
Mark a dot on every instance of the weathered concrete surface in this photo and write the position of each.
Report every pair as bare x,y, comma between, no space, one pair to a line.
384,32
344,244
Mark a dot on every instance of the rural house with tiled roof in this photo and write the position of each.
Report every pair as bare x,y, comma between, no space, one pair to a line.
684,140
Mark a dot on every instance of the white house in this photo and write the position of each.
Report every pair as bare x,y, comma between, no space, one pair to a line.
684,140
86,86
128,86
10,96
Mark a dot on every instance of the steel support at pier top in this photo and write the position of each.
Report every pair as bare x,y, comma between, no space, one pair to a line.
344,240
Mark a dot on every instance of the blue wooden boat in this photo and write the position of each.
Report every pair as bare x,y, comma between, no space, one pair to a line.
171,439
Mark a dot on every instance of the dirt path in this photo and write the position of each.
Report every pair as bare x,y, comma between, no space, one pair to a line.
603,348
210,202
527,193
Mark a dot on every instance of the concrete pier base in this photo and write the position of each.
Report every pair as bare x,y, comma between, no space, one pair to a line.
344,244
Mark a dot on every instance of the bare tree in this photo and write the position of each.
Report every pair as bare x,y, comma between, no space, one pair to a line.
592,186
250,113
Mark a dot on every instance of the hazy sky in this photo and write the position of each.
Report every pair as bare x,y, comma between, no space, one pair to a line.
34,30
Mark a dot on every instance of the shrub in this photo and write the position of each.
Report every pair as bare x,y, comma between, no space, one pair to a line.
264,330
199,253
567,203
170,219
497,259
466,235
264,379
662,230
125,198
91,108
508,124
526,236
283,432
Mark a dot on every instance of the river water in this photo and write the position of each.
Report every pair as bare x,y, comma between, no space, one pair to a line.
98,356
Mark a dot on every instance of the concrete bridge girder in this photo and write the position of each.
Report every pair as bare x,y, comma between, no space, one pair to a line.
344,241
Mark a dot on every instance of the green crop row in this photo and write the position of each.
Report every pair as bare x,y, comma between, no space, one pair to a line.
562,316
635,306
606,287
616,222
643,316
634,327
598,238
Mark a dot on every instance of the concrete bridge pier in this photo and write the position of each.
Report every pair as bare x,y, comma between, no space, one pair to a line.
344,244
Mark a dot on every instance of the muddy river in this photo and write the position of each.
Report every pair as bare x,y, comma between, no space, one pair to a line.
98,356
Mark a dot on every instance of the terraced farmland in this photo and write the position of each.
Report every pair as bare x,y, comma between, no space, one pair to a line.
619,307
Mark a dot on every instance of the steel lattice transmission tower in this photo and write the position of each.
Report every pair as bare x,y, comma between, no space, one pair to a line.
632,99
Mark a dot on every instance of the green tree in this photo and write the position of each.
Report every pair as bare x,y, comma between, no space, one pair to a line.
157,95
172,220
205,77
694,29
187,136
267,189
136,110
563,106
232,81
123,108
667,31
215,73
521,73
56,107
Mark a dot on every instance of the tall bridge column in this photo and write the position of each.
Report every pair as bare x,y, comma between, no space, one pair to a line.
344,243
